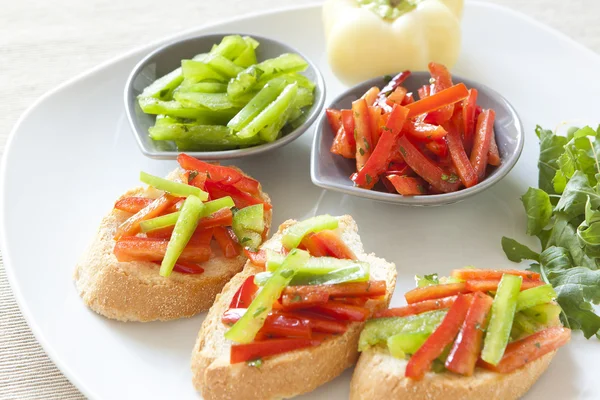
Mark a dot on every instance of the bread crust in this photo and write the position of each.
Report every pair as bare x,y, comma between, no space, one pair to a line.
378,375
285,375
134,291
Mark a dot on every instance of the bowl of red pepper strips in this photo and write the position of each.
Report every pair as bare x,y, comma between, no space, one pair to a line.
417,138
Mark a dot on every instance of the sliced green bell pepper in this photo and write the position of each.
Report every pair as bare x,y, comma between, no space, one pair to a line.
246,328
163,87
546,314
535,296
250,218
210,101
358,272
231,47
314,266
203,87
405,343
244,82
223,65
248,56
183,231
501,319
174,188
198,71
295,233
258,103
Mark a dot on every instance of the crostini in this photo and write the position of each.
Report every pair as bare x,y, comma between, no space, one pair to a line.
166,250
290,321
479,334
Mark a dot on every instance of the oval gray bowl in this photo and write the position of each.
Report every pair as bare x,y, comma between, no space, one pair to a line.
168,57
332,172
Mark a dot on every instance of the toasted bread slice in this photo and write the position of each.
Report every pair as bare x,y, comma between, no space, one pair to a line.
134,291
379,375
289,374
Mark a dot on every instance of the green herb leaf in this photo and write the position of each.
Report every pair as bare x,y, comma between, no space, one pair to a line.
361,151
551,148
427,280
573,200
368,179
517,252
538,209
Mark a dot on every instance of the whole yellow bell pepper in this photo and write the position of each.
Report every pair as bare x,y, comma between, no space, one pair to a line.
368,38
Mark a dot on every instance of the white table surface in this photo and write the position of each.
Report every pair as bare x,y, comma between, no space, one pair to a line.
44,43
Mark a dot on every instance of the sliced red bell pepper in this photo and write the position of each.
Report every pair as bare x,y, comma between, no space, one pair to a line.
398,168
434,292
408,186
315,247
524,351
424,91
266,348
395,82
468,116
397,96
481,144
459,157
319,323
133,248
425,168
494,154
348,124
492,285
371,95
258,258
389,187
416,308
202,236
362,130
187,268
467,347
355,301
341,311
228,246
199,180
494,274
350,289
438,147
277,323
132,225
408,99
133,204
245,294
335,246
380,159
422,131
296,300
443,98
375,116
334,117
341,144
241,199
442,80
223,217
420,362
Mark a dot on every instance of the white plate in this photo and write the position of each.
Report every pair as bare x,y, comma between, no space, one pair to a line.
72,154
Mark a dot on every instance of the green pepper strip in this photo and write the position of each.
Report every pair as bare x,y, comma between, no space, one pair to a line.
175,188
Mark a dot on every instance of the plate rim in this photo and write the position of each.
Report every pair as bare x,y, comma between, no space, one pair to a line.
6,255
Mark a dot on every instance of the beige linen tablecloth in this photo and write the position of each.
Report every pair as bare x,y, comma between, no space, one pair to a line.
43,43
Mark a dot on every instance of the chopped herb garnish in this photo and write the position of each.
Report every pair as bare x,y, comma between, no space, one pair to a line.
245,239
369,179
361,151
387,78
367,146
432,80
356,114
403,151
193,174
538,345
255,363
296,298
421,189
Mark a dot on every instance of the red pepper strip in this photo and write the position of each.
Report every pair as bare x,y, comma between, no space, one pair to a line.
425,168
459,157
362,129
223,217
342,311
341,145
355,301
389,88
187,268
132,225
494,154
350,289
397,96
492,285
319,323
524,351
227,245
313,246
424,91
348,123
438,147
481,144
408,186
375,116
258,258
276,324
335,246
442,80
379,160
295,301
408,99
133,248
420,362
487,274
423,131
465,351
446,97
416,308
334,117
371,95
468,116
398,168
241,199
133,204
434,292
201,237
199,180
245,294
271,347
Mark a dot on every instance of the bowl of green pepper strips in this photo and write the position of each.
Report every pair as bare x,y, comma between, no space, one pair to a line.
222,97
